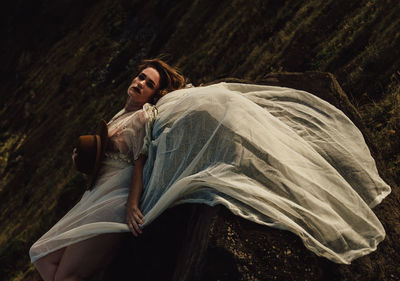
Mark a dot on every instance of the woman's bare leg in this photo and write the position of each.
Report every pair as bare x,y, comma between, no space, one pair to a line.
47,265
81,260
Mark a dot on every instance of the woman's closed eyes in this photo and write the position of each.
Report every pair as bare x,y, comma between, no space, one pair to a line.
149,82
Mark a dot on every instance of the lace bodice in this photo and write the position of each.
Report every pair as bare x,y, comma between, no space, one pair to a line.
130,133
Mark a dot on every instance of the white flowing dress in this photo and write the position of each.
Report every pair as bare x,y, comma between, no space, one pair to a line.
273,155
102,209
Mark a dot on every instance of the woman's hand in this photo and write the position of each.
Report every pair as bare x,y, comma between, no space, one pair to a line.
134,218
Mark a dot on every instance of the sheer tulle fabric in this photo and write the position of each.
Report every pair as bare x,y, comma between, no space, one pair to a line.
102,209
276,156
129,131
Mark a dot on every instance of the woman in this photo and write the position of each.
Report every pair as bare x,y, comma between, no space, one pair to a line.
85,239
276,156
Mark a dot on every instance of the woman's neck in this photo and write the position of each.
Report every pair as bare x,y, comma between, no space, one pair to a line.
132,105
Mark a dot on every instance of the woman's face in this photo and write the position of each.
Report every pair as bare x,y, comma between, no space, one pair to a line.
145,85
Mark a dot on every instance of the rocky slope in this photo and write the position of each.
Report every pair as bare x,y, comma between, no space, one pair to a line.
66,63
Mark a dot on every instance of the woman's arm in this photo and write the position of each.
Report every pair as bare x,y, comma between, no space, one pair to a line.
134,216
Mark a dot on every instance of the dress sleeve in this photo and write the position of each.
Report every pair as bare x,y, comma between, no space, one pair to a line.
137,133
151,114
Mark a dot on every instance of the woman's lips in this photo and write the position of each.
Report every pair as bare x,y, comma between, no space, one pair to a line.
135,90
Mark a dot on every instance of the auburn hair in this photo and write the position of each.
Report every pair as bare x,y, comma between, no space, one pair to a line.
170,78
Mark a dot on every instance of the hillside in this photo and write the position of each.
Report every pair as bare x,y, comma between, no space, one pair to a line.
67,63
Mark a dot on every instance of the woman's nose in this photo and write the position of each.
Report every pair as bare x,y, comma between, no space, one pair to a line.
141,84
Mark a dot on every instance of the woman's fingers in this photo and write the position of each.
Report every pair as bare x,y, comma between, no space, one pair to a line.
136,229
131,227
137,214
130,222
134,219
133,223
139,219
140,214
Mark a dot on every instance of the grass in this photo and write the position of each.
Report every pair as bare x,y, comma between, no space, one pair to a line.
9,142
383,120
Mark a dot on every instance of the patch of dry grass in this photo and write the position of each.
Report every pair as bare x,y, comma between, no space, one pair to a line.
383,120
